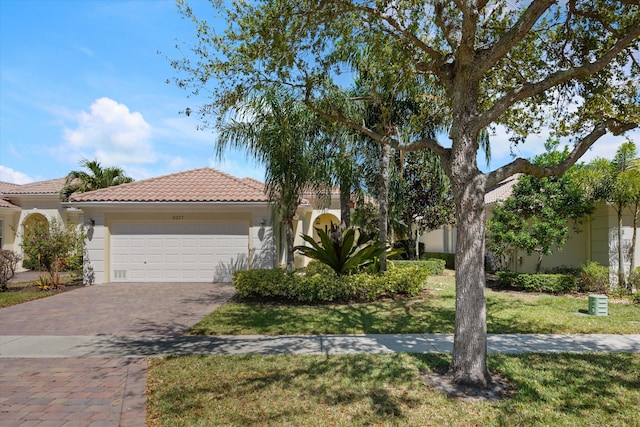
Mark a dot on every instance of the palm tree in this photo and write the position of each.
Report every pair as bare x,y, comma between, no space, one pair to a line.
617,182
97,177
279,132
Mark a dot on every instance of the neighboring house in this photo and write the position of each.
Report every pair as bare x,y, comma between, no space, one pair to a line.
596,238
35,202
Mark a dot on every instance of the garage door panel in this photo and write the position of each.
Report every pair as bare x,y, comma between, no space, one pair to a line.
177,251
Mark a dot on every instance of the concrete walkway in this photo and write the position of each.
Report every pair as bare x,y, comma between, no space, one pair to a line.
16,346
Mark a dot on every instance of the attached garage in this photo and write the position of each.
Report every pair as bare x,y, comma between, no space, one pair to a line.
194,226
169,252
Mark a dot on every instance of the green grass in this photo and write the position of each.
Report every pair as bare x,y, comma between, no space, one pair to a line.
431,312
20,292
387,390
18,297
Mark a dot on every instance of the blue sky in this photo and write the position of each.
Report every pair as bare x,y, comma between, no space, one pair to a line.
84,79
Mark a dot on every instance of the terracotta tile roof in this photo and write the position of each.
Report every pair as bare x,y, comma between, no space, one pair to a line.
501,191
52,186
7,186
198,185
258,185
7,204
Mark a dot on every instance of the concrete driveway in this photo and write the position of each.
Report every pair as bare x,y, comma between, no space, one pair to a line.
100,391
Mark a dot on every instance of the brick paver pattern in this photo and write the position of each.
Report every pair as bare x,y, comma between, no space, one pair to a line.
94,392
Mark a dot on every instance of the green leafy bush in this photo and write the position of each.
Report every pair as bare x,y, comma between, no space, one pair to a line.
635,298
507,279
435,266
634,280
548,283
594,278
450,259
315,285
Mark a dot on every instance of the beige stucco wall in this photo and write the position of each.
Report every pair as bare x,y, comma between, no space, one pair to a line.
442,240
9,219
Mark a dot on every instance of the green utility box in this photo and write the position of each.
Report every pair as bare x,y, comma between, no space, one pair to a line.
598,305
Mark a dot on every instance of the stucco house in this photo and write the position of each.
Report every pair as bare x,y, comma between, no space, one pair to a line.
596,240
192,226
38,201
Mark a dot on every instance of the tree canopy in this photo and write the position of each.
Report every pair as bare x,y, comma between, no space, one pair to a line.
524,65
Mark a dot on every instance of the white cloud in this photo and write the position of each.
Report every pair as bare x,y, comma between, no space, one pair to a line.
110,133
13,176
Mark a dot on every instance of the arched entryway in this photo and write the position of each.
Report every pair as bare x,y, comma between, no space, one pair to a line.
324,223
33,223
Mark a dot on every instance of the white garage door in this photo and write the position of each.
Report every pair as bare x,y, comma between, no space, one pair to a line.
178,252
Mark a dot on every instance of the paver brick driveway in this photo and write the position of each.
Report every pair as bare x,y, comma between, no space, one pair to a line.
116,309
94,391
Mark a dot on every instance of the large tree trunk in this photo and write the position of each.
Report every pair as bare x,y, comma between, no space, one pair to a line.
469,364
384,200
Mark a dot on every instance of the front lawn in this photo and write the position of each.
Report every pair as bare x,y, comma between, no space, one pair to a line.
20,292
362,390
430,312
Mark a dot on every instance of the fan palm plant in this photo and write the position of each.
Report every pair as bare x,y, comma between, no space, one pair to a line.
96,178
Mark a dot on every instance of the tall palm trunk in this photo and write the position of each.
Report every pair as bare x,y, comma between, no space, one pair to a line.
621,278
288,231
384,200
345,202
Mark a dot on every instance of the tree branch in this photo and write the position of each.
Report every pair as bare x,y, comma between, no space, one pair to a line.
525,166
554,79
420,144
408,35
489,57
445,28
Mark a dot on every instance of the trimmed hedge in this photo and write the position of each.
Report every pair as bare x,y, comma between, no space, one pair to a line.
450,259
433,265
549,283
318,284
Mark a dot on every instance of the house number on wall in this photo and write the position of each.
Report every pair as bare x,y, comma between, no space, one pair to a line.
177,217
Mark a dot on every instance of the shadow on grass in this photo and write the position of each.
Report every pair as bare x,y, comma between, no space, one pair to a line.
583,386
554,389
390,317
366,384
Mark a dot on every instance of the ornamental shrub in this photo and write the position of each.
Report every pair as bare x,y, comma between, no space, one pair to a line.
315,285
633,283
450,259
547,283
434,266
8,263
594,278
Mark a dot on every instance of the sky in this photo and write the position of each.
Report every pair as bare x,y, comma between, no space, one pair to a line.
87,79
